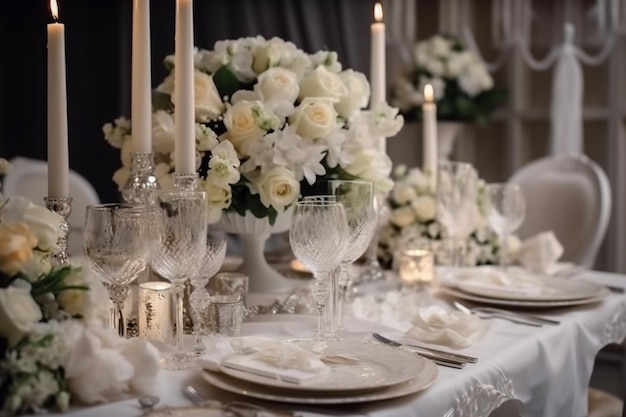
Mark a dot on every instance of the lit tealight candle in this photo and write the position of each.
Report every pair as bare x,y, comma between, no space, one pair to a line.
429,134
184,116
58,152
416,267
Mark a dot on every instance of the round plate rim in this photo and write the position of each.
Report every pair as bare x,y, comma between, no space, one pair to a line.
429,374
524,303
400,355
596,291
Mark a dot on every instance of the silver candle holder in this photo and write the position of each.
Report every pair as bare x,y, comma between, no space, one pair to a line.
142,186
63,207
187,182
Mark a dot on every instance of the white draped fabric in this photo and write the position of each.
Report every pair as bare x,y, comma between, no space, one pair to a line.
546,369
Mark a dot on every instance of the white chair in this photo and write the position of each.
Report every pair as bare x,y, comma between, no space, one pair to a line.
29,178
571,196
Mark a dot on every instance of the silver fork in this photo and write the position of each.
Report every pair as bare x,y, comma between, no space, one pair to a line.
238,408
496,315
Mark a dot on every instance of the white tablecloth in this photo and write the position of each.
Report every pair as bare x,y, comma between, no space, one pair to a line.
533,371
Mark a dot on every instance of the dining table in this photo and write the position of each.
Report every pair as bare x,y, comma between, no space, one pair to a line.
521,370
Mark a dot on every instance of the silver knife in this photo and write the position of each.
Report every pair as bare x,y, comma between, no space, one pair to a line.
440,353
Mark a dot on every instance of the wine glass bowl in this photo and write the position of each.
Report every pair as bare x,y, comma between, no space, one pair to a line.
505,207
180,244
318,237
115,246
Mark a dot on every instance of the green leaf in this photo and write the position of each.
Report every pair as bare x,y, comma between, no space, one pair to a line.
226,82
161,101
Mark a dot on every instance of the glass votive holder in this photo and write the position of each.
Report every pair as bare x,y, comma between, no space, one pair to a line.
156,319
230,283
226,315
416,268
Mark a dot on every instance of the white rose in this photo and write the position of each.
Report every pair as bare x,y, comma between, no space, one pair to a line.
37,265
246,122
18,313
314,118
277,84
219,196
162,132
425,208
207,99
358,93
44,223
74,301
265,57
322,83
120,177
440,46
126,153
403,193
278,188
403,216
16,247
371,165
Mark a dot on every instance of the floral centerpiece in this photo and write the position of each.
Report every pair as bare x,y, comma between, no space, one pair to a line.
54,348
272,122
463,88
413,218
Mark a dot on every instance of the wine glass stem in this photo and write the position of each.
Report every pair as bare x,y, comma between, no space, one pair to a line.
320,296
457,251
504,260
179,290
120,320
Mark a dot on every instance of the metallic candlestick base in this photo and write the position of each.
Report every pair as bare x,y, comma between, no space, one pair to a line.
187,182
142,185
63,207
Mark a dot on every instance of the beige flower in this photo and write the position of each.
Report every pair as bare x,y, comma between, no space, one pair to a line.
278,188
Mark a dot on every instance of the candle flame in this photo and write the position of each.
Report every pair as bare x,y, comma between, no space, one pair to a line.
429,93
378,12
54,8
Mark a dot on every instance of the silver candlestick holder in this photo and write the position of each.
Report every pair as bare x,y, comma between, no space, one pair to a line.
188,182
63,207
142,186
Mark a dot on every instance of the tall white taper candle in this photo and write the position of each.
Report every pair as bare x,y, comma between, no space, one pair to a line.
141,78
429,133
377,63
58,152
184,118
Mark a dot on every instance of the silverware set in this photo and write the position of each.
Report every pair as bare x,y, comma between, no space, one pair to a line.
439,357
513,317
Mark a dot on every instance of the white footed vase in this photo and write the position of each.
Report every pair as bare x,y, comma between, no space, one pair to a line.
447,133
253,233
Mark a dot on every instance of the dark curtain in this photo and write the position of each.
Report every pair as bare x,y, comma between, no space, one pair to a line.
98,57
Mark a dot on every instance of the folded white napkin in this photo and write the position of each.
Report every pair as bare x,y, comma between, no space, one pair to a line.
270,358
436,325
485,280
540,253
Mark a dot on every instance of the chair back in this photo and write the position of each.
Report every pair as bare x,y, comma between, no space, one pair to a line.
29,178
571,196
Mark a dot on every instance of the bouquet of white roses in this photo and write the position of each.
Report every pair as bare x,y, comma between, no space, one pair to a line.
53,346
413,217
271,122
463,87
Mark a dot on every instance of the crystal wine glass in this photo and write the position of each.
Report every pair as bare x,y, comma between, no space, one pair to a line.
115,245
357,199
318,237
456,203
179,248
505,208
199,298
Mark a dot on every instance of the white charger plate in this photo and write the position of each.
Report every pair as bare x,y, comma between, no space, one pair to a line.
603,293
374,366
423,380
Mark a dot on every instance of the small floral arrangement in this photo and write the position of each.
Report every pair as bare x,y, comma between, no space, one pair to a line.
53,346
463,87
413,219
272,122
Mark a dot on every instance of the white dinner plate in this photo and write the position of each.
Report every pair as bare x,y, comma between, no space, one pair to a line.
370,366
192,411
547,289
423,380
524,303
